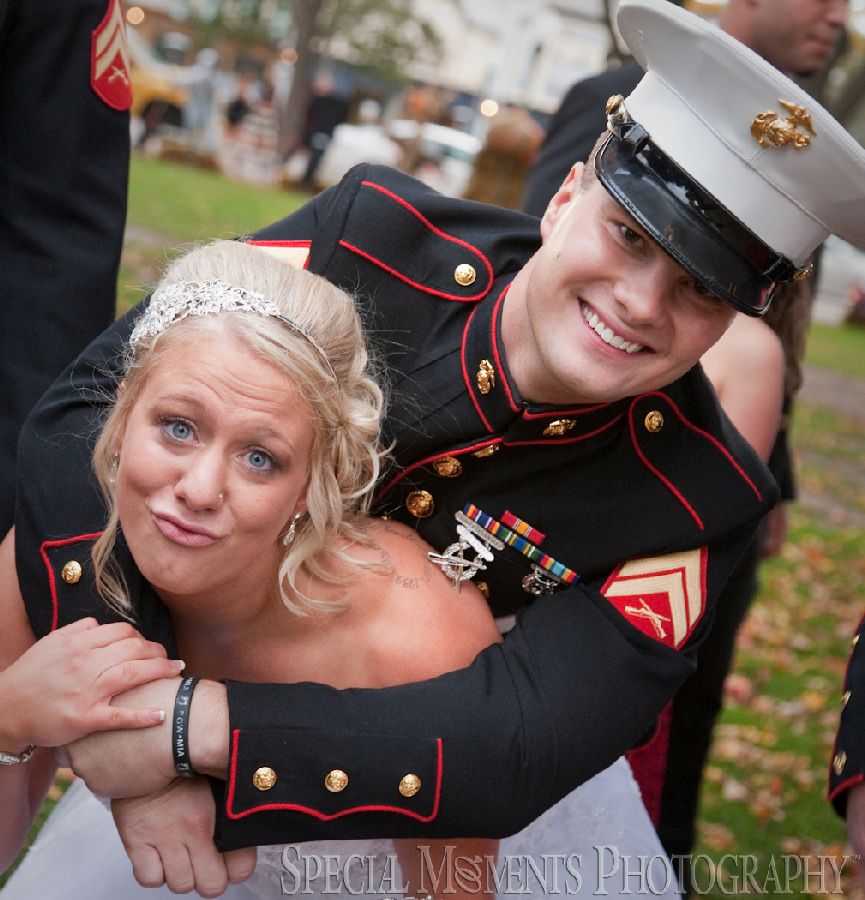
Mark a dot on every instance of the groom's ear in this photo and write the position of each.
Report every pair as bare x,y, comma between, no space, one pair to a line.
562,197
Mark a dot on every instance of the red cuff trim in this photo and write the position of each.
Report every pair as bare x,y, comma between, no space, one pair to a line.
52,582
327,817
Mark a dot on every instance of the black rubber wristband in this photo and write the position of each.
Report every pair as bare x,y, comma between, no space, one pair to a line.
180,728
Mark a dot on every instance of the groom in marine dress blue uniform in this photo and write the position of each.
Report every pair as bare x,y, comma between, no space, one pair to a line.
545,383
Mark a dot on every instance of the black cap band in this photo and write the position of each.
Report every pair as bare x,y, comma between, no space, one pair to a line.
700,234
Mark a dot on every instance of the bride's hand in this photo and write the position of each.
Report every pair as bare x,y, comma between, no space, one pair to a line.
168,837
136,763
124,763
60,688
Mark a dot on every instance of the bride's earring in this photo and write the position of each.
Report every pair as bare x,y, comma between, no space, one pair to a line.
115,462
292,529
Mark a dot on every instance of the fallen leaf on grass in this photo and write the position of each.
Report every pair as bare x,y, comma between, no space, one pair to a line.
734,790
717,837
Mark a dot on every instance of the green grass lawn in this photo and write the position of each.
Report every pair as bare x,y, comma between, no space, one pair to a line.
764,792
841,348
188,204
178,205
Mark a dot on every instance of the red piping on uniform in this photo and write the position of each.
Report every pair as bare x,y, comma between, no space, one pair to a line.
328,817
558,413
495,347
665,481
713,440
415,284
428,459
573,440
845,785
552,442
307,244
447,237
676,493
468,383
52,583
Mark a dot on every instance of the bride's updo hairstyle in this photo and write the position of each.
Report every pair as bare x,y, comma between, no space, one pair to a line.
308,330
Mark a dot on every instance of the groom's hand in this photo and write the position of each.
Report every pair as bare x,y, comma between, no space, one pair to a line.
128,763
168,837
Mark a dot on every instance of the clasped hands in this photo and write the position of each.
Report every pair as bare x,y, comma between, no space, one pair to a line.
108,695
166,823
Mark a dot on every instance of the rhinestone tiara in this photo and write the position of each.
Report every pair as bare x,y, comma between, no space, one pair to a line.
176,300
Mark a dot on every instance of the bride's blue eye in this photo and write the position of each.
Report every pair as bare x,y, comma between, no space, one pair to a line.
259,459
177,429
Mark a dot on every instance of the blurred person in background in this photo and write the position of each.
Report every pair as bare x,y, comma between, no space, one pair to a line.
508,151
64,128
326,110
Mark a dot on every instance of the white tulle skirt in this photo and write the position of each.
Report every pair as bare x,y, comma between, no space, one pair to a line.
598,841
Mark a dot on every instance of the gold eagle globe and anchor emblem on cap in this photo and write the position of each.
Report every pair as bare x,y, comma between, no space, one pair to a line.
769,129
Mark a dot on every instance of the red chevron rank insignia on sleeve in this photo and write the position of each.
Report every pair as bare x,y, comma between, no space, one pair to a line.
663,596
109,59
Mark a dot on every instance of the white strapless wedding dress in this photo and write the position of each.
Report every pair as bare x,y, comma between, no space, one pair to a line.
596,841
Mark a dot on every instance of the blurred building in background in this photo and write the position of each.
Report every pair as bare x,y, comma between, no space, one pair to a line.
459,68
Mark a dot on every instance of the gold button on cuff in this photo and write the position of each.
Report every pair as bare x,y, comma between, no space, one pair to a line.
486,376
264,778
854,642
654,421
845,698
71,572
335,781
448,467
558,427
484,588
420,504
409,785
487,451
839,762
465,275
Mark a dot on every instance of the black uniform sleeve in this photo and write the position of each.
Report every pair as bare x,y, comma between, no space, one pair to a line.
64,179
575,128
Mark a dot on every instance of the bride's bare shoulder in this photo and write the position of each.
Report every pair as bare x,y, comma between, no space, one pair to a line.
422,625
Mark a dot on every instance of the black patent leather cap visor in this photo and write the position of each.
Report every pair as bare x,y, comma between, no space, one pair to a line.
692,227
